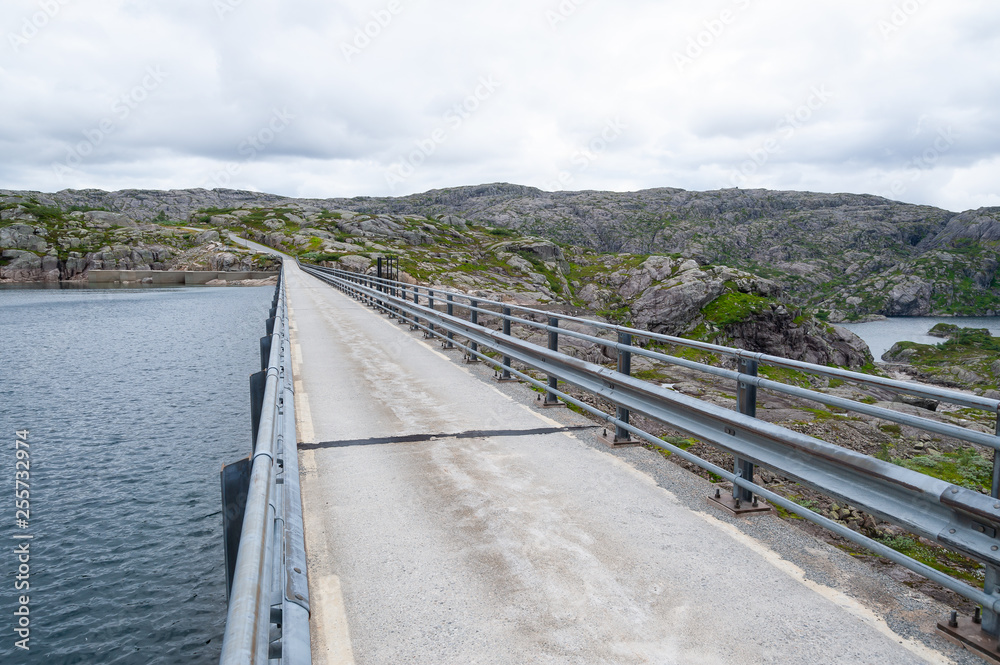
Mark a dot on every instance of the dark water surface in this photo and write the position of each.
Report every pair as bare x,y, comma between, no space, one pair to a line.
134,399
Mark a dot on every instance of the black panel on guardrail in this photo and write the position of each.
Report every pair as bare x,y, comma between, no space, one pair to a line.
257,382
265,345
235,483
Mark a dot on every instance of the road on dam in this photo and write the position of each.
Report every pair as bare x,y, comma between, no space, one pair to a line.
449,521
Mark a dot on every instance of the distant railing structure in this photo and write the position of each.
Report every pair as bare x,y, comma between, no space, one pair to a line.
268,589
959,519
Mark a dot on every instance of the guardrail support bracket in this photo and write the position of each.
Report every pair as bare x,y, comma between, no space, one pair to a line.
724,499
965,632
612,439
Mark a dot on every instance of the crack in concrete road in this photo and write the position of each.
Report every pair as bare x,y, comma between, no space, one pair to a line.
420,438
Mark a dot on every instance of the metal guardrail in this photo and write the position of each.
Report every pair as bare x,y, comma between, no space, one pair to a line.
268,619
959,519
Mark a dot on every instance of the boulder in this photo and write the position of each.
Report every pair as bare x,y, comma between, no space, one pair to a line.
105,219
669,309
911,297
318,233
452,220
354,263
229,262
20,266
776,332
18,213
206,237
658,268
23,236
543,250
519,264
897,354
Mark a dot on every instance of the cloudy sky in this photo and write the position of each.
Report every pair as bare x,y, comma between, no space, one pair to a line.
375,97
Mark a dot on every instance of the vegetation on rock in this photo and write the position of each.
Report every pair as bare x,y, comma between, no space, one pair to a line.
968,358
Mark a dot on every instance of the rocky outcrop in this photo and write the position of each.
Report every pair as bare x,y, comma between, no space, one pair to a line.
911,297
39,241
780,332
678,297
22,266
967,359
355,263
23,236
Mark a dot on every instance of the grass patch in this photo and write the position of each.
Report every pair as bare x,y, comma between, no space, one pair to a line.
649,375
734,307
785,375
947,562
966,467
679,441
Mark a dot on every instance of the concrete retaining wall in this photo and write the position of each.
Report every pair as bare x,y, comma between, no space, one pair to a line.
171,276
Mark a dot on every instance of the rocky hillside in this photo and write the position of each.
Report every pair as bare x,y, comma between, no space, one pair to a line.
851,256
43,241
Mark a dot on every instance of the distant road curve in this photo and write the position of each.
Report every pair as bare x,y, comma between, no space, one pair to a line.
257,247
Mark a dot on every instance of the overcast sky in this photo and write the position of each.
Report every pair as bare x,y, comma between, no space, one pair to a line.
389,97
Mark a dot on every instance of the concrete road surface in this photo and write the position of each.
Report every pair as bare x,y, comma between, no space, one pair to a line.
448,523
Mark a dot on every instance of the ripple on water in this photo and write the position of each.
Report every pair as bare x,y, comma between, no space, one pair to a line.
134,399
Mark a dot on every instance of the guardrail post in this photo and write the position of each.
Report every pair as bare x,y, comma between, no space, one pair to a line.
474,319
505,376
746,403
402,294
430,303
995,492
550,397
621,437
625,367
416,301
990,619
451,312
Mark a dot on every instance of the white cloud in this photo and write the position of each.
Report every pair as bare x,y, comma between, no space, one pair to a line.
899,73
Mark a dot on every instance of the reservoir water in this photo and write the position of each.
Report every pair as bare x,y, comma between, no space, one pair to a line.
881,335
134,398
